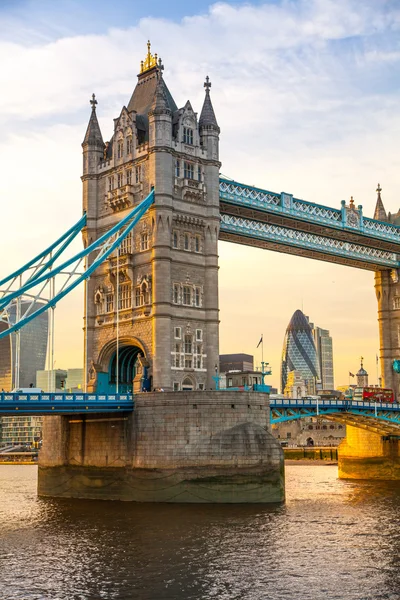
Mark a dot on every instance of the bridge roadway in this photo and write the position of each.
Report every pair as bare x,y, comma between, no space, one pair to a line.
280,222
382,418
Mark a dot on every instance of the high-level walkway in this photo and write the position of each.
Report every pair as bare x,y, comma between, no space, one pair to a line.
280,222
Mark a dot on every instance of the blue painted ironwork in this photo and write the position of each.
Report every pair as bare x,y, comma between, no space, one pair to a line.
310,241
63,404
104,245
36,263
382,415
284,204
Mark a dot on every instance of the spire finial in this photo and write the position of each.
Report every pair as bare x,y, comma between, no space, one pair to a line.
93,102
351,202
150,61
379,189
362,358
207,84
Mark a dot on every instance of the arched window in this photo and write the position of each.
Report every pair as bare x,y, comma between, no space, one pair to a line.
187,385
187,135
120,149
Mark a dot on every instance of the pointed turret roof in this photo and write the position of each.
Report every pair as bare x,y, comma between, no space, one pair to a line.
145,89
159,104
207,116
380,212
361,372
93,134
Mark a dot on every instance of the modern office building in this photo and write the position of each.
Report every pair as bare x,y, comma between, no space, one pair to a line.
33,349
20,430
74,381
235,362
299,353
32,357
51,381
324,349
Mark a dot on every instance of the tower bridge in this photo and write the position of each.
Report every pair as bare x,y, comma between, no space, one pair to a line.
155,208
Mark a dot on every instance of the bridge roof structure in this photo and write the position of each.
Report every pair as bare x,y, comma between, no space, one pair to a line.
280,222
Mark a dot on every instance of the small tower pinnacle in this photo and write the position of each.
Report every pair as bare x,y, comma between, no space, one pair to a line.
207,116
159,104
380,212
93,134
93,102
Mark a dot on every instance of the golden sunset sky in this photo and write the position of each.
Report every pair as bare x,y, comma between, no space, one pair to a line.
307,97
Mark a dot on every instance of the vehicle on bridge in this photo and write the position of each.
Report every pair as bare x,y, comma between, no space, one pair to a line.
373,394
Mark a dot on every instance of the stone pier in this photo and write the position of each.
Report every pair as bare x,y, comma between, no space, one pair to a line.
175,447
367,455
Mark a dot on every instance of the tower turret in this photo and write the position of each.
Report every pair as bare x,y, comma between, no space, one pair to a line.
362,376
208,126
380,212
92,144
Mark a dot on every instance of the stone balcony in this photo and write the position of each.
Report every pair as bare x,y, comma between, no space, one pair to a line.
190,189
123,197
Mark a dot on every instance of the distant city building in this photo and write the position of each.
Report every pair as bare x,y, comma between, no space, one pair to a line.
74,381
20,430
299,353
51,381
33,349
296,386
310,431
324,349
235,362
362,376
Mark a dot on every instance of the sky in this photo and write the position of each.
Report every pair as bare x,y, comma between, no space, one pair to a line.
306,93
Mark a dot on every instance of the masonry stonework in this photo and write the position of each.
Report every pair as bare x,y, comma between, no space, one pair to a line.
152,323
175,447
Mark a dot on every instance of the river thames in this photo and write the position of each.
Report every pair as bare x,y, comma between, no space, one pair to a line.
331,540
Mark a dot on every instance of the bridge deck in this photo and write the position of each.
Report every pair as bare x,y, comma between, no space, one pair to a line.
12,404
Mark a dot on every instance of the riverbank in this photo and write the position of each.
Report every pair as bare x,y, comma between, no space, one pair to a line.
310,463
313,454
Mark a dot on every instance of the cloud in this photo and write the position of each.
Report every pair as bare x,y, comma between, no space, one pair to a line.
306,94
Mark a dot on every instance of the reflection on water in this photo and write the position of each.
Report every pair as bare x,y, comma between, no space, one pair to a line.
332,540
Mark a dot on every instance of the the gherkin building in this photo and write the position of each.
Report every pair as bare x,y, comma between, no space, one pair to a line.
299,353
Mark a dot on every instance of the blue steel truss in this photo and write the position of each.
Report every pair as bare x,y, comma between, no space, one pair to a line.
291,237
50,271
285,204
17,404
383,417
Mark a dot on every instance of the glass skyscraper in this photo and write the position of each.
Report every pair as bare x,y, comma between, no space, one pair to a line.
33,348
323,344
299,352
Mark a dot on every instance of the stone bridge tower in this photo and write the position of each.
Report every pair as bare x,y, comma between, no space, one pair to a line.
387,288
165,312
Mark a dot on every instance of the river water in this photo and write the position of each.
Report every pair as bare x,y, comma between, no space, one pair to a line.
331,540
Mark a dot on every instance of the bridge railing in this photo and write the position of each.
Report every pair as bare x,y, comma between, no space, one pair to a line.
343,405
7,397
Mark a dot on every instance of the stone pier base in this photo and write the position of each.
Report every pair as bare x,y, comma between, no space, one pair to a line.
367,455
174,447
